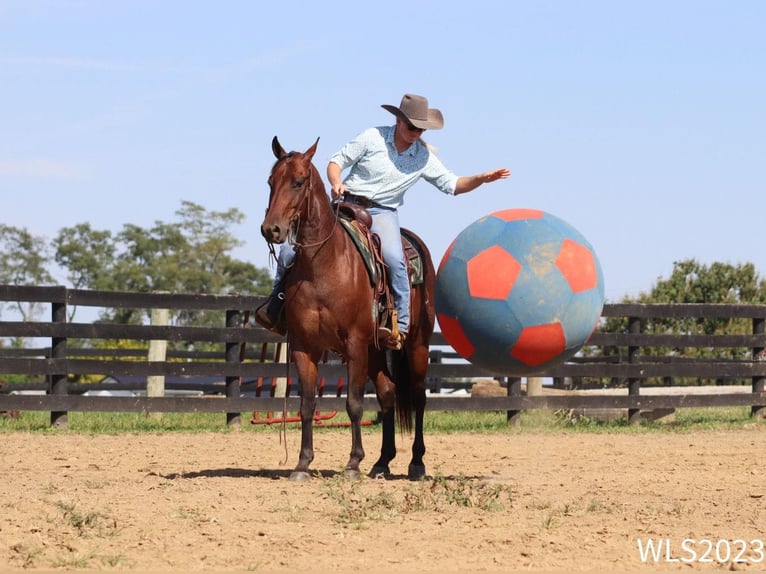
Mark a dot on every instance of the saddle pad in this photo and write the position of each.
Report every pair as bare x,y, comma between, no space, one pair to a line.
413,255
414,261
352,227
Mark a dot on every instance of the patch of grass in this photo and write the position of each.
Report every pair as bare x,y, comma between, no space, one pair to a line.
547,522
594,506
358,504
686,420
86,523
73,561
461,491
114,561
355,506
27,555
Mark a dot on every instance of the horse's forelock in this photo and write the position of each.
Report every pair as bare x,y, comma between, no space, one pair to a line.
283,159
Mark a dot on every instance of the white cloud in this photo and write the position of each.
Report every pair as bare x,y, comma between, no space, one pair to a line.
40,168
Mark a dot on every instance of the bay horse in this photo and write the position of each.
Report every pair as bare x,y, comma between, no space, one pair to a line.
329,299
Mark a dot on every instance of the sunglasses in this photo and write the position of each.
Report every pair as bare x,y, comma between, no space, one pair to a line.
413,128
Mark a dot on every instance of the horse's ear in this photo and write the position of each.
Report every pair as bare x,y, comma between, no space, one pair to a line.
277,148
312,150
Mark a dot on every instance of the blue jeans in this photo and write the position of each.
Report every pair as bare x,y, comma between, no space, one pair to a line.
285,259
385,222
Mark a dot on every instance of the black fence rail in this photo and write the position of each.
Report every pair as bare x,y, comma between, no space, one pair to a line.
233,366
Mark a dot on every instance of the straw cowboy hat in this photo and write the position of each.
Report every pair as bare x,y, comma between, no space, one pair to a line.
414,110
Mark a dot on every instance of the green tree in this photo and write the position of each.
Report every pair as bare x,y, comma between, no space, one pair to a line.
87,254
23,261
694,282
191,255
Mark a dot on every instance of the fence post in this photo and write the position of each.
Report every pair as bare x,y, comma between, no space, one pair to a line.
158,351
434,384
233,320
280,357
759,324
514,390
634,384
57,383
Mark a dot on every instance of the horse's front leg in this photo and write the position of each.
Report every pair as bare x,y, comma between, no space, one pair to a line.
308,374
357,376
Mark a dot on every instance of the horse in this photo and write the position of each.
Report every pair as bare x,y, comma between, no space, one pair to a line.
329,299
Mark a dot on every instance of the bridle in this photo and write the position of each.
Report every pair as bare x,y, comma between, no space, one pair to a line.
304,205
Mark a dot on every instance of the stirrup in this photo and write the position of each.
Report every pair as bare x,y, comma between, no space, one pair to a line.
387,338
270,314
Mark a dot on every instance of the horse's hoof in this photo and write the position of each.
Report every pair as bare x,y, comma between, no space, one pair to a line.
416,472
380,472
352,474
300,476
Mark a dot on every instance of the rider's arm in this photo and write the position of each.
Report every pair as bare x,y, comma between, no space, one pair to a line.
334,177
471,182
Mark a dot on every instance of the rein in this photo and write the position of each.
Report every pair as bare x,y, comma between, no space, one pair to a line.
307,195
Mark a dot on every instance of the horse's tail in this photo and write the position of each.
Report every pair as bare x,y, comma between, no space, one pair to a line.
405,400
409,371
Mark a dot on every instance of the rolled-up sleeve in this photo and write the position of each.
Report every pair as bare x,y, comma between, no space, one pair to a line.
439,176
352,152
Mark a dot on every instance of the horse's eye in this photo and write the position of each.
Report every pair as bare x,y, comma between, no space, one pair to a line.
298,183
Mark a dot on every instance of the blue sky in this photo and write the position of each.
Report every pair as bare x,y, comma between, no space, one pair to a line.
640,123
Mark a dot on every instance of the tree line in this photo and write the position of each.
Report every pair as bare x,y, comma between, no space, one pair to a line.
695,282
191,254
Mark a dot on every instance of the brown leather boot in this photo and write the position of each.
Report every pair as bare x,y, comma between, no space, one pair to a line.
270,314
391,340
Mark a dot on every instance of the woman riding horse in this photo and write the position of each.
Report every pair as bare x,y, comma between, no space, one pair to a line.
384,163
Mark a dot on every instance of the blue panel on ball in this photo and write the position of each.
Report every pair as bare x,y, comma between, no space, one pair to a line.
476,238
534,305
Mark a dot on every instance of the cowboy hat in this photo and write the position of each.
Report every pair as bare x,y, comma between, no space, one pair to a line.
414,110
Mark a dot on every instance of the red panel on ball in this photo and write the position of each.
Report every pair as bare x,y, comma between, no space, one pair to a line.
577,265
517,214
492,273
539,344
455,336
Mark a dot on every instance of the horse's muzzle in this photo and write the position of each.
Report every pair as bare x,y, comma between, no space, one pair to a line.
274,233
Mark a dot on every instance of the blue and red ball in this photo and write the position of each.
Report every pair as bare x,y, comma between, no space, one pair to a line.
518,292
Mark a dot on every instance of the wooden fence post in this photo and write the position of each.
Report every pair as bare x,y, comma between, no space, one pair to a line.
534,386
759,327
233,321
280,356
514,390
158,351
634,384
434,358
57,383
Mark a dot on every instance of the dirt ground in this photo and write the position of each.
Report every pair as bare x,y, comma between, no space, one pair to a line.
554,502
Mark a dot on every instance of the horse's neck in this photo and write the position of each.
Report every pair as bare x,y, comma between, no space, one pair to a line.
318,221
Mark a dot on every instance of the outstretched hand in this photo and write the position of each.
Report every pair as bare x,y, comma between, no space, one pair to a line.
466,184
491,176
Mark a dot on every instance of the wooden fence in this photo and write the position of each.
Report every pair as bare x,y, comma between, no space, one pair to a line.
245,380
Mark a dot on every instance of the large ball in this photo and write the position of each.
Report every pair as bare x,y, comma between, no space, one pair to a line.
518,291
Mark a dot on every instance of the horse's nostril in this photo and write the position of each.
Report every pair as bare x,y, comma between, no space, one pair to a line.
271,233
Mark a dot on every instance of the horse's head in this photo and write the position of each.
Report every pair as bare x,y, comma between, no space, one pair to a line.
291,181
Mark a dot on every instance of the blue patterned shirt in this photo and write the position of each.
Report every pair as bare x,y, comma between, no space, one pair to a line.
380,173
